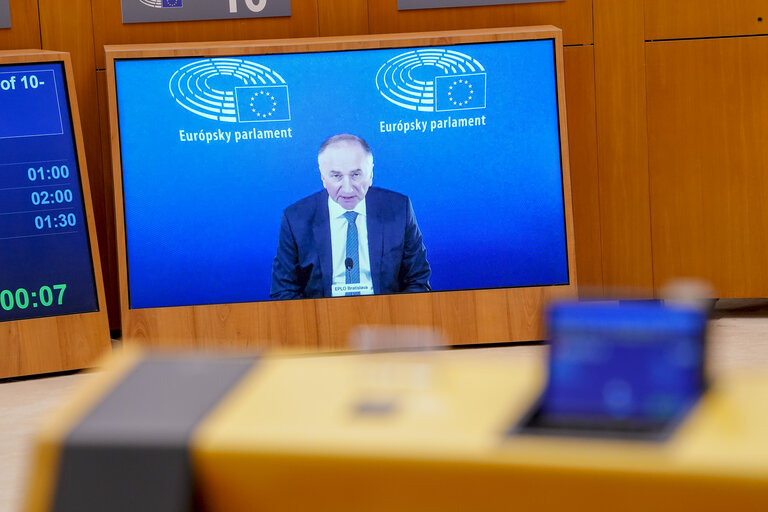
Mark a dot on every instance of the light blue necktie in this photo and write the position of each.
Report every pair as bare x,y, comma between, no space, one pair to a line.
353,275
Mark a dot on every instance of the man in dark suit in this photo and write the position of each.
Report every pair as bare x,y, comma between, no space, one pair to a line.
351,238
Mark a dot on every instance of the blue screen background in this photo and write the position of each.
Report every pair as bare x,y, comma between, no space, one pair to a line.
202,218
36,132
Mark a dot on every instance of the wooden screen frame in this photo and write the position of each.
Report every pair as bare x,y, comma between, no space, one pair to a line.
465,317
65,342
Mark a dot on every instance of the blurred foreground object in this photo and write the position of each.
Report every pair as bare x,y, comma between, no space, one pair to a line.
376,338
689,292
288,433
621,370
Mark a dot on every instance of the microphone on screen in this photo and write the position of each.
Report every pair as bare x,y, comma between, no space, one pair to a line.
349,264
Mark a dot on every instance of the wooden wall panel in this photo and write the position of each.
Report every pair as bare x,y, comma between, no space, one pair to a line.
708,127
585,186
704,18
622,146
110,29
25,27
342,17
573,16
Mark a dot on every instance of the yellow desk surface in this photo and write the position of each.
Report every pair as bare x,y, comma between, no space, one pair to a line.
290,436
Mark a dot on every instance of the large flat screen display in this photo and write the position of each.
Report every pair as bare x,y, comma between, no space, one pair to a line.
240,173
46,267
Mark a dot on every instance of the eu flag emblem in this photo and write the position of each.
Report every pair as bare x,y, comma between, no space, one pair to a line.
173,3
262,103
459,92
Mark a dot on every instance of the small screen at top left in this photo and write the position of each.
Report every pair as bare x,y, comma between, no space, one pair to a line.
45,257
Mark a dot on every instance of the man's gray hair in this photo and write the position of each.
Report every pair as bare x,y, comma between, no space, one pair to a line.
345,138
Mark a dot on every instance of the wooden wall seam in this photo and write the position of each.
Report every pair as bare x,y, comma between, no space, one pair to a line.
654,285
589,259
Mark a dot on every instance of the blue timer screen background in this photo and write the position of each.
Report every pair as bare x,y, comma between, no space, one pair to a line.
45,259
213,150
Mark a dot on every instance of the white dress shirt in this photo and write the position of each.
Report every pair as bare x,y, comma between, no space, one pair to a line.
339,224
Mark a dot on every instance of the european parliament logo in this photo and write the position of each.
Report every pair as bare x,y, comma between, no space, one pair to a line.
433,80
263,103
460,92
160,4
231,90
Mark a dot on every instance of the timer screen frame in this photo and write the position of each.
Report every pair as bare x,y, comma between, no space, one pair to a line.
46,261
203,197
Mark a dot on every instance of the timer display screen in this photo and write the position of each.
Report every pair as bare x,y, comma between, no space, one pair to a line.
45,259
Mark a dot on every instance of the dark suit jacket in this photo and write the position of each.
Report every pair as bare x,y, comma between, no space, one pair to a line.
303,266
